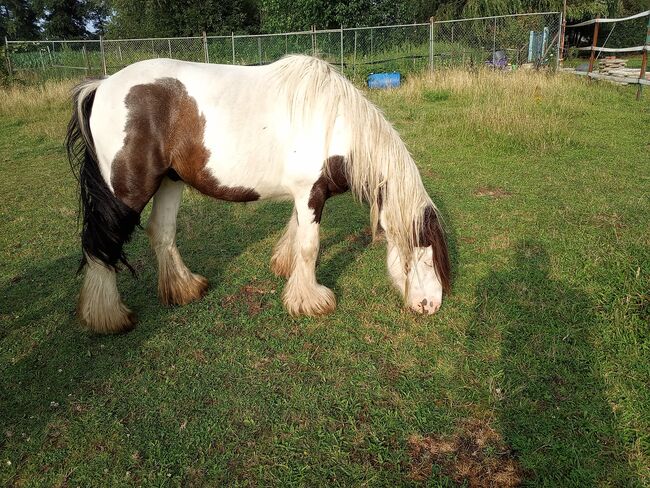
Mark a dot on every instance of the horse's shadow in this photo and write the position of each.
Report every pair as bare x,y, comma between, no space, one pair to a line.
550,400
50,361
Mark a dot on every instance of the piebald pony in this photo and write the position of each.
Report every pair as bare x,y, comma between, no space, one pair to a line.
295,129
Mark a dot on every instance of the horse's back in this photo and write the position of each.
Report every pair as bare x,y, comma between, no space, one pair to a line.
232,123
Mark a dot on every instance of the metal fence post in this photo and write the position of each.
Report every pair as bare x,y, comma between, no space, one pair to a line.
431,44
592,56
169,47
313,40
9,70
259,49
103,53
644,61
341,48
232,41
286,44
206,55
85,53
560,42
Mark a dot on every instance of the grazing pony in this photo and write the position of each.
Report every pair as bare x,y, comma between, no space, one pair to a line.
295,129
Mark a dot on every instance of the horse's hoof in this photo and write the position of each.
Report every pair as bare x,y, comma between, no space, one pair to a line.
311,300
117,321
189,289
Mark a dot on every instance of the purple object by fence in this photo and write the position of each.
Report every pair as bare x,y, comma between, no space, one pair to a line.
384,80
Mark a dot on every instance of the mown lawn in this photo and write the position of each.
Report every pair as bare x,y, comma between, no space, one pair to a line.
535,370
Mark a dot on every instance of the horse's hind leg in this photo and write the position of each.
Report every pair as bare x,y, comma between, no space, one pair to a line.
177,285
303,295
100,308
284,254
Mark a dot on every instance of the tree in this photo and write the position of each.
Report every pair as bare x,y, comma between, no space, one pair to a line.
160,18
18,20
63,19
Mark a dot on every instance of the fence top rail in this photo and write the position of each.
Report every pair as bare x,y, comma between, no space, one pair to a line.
615,49
182,38
296,33
495,17
605,21
385,26
52,41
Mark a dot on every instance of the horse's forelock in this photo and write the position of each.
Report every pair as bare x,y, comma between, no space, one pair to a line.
432,234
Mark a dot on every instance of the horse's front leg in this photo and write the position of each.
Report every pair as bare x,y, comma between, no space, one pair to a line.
303,295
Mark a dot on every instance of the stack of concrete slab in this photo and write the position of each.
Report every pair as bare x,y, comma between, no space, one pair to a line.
615,67
606,65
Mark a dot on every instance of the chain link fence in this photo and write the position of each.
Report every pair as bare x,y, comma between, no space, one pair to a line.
502,42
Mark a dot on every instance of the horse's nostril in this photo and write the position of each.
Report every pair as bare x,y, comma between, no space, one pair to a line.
424,302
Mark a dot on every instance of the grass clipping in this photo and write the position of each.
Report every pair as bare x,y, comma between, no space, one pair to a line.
475,455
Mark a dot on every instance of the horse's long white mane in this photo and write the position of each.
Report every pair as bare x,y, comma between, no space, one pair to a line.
378,164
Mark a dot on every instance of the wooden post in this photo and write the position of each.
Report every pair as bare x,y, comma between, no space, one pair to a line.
206,55
494,42
592,58
644,61
562,31
341,48
9,70
354,55
103,53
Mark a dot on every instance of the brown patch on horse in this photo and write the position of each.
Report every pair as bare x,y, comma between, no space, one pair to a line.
165,131
432,234
475,455
333,180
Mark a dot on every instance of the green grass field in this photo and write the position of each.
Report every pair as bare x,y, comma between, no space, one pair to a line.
536,370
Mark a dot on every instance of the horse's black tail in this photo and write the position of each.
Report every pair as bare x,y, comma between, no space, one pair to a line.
107,223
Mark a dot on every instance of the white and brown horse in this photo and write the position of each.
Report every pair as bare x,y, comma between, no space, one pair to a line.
295,129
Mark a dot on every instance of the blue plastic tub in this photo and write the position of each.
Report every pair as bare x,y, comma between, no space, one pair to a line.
384,80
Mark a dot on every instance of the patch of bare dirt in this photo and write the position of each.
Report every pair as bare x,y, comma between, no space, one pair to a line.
608,220
494,192
475,454
253,296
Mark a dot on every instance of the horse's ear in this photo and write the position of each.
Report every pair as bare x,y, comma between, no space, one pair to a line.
432,234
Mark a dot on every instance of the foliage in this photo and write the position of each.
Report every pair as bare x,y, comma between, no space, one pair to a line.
66,19
161,18
18,20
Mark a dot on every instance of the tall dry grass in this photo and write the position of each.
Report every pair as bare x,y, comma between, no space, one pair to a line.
533,107
20,100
